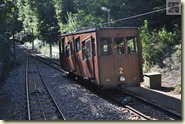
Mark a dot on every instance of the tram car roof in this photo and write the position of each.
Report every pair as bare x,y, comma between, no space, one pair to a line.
95,29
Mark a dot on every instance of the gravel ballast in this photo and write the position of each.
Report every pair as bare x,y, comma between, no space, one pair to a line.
76,102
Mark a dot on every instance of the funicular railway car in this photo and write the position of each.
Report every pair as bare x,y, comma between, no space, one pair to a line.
108,57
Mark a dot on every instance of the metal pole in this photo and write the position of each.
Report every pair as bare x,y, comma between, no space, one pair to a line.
50,45
32,39
109,24
14,56
13,31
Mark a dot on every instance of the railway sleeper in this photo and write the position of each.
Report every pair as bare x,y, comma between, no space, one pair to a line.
44,98
46,113
48,109
44,106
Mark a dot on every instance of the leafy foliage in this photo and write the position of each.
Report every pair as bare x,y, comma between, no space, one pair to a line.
53,16
157,44
8,16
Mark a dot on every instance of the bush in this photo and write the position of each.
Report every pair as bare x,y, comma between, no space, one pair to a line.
157,45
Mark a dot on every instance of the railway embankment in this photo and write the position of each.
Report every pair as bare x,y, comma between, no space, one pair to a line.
6,58
12,89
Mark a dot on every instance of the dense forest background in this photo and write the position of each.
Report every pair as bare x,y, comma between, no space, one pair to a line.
59,16
45,19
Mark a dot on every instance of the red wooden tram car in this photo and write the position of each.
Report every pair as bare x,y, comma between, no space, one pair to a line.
108,57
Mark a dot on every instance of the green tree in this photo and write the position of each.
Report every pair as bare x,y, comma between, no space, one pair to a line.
2,17
8,15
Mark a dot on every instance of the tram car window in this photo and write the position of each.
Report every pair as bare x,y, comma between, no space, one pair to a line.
78,44
84,51
132,45
68,51
88,50
72,48
93,47
119,45
106,45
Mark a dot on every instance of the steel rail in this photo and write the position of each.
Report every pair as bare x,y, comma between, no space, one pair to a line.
103,95
126,106
40,104
49,64
47,60
137,112
166,111
48,89
27,89
35,86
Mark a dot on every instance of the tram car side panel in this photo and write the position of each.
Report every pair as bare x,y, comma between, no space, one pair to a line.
80,55
86,61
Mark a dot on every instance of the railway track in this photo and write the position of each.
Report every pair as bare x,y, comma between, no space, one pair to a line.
121,100
171,114
139,106
51,63
40,103
118,100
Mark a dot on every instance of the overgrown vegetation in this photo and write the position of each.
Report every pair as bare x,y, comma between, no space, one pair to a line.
158,44
162,53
